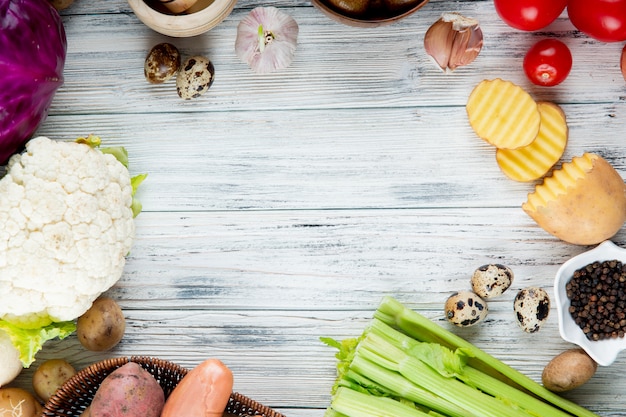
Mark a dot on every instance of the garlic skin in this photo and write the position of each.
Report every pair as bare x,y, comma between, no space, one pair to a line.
266,39
453,41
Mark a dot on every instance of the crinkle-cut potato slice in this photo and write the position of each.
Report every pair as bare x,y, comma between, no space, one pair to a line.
503,114
583,202
533,161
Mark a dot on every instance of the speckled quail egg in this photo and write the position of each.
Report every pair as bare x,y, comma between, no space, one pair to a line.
162,63
465,308
531,306
195,77
491,280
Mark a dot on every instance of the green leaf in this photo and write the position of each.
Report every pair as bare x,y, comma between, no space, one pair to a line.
119,152
30,341
136,181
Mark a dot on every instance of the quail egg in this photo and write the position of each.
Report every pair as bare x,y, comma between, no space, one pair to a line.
531,306
195,77
162,63
465,308
491,280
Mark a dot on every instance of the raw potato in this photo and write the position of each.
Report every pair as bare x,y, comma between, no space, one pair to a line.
102,326
568,370
583,202
503,114
49,377
129,391
533,161
17,402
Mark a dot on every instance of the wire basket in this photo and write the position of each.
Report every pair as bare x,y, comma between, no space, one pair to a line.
76,394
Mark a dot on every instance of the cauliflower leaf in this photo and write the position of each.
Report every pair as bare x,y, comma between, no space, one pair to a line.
29,341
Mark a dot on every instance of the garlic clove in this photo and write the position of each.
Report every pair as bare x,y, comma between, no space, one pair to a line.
453,41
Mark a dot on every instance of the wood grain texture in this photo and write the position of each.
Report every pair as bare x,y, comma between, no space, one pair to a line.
281,208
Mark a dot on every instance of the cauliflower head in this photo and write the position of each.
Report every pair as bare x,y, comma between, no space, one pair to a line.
66,226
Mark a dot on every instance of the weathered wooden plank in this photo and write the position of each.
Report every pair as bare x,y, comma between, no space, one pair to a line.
336,66
281,208
391,158
328,260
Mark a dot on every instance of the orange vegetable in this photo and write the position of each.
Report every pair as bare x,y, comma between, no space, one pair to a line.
203,392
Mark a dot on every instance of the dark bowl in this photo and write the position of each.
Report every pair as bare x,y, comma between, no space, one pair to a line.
76,394
381,16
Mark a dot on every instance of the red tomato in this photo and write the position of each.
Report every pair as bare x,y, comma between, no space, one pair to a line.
548,62
604,20
529,15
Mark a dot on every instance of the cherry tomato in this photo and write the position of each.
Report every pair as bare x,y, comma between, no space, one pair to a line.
529,15
604,20
548,62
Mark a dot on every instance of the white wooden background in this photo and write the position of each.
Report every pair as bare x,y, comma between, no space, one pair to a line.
281,208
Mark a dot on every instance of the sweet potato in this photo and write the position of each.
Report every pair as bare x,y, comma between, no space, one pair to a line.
203,392
129,391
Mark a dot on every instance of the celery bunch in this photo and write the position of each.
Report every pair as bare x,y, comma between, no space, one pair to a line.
405,365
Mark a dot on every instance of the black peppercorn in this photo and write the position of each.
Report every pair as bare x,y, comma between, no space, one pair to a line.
597,294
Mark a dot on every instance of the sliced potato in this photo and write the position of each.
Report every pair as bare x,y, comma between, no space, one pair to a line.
533,161
583,202
503,114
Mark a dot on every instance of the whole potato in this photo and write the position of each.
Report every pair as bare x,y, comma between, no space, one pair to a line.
50,375
129,391
102,326
568,370
19,402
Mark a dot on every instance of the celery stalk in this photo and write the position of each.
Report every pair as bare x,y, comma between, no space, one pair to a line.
458,368
356,404
421,328
376,349
398,386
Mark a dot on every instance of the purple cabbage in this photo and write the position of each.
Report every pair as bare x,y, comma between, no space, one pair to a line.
33,47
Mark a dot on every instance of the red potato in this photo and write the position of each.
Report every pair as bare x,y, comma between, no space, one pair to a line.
129,391
203,392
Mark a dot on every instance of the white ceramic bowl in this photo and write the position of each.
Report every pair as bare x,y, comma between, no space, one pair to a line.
209,14
604,352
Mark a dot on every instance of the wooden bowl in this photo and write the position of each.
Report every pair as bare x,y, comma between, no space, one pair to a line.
380,17
201,17
76,394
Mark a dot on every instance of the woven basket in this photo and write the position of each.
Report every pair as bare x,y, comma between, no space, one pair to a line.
76,394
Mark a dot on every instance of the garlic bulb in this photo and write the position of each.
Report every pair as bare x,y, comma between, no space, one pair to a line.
266,39
453,41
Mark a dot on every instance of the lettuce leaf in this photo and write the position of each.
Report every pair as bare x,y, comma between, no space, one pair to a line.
30,341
